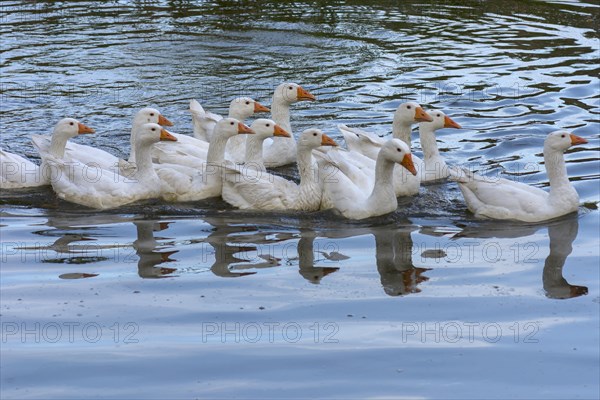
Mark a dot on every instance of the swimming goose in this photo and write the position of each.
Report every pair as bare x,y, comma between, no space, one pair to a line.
270,192
202,180
505,199
368,145
98,188
283,151
95,157
433,166
354,202
240,108
18,172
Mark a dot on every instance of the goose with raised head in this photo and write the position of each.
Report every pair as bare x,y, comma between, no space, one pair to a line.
203,180
240,108
505,199
368,146
352,201
433,167
57,144
99,188
283,151
270,192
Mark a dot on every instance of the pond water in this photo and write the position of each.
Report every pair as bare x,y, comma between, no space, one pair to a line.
198,300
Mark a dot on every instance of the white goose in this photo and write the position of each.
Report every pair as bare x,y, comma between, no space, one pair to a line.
263,129
504,199
99,188
368,145
354,202
240,108
270,192
283,151
433,166
203,179
18,172
92,156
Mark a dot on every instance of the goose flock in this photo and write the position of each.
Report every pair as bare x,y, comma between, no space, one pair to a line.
225,157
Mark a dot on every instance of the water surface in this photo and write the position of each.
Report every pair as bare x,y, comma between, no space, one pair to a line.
193,300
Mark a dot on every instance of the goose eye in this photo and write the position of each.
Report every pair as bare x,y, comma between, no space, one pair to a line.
291,88
153,129
231,123
247,102
268,125
408,107
70,123
439,115
152,114
315,134
560,135
399,150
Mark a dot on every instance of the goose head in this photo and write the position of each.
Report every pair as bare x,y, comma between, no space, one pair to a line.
313,138
440,120
69,128
150,115
244,107
562,140
229,127
292,93
397,151
151,133
410,112
265,128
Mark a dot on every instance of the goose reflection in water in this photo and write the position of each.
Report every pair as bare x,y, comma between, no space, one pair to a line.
146,245
562,234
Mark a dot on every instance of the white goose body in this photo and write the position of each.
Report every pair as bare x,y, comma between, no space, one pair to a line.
352,201
283,151
202,180
505,199
98,188
266,191
17,172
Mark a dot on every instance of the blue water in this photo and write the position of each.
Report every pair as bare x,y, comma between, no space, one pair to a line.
197,300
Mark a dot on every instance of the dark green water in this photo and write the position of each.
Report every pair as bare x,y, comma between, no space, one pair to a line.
202,301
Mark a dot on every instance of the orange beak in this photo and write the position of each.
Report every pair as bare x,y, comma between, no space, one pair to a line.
260,108
407,163
577,140
327,141
450,123
422,116
163,121
304,94
244,128
84,128
163,225
279,131
166,136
